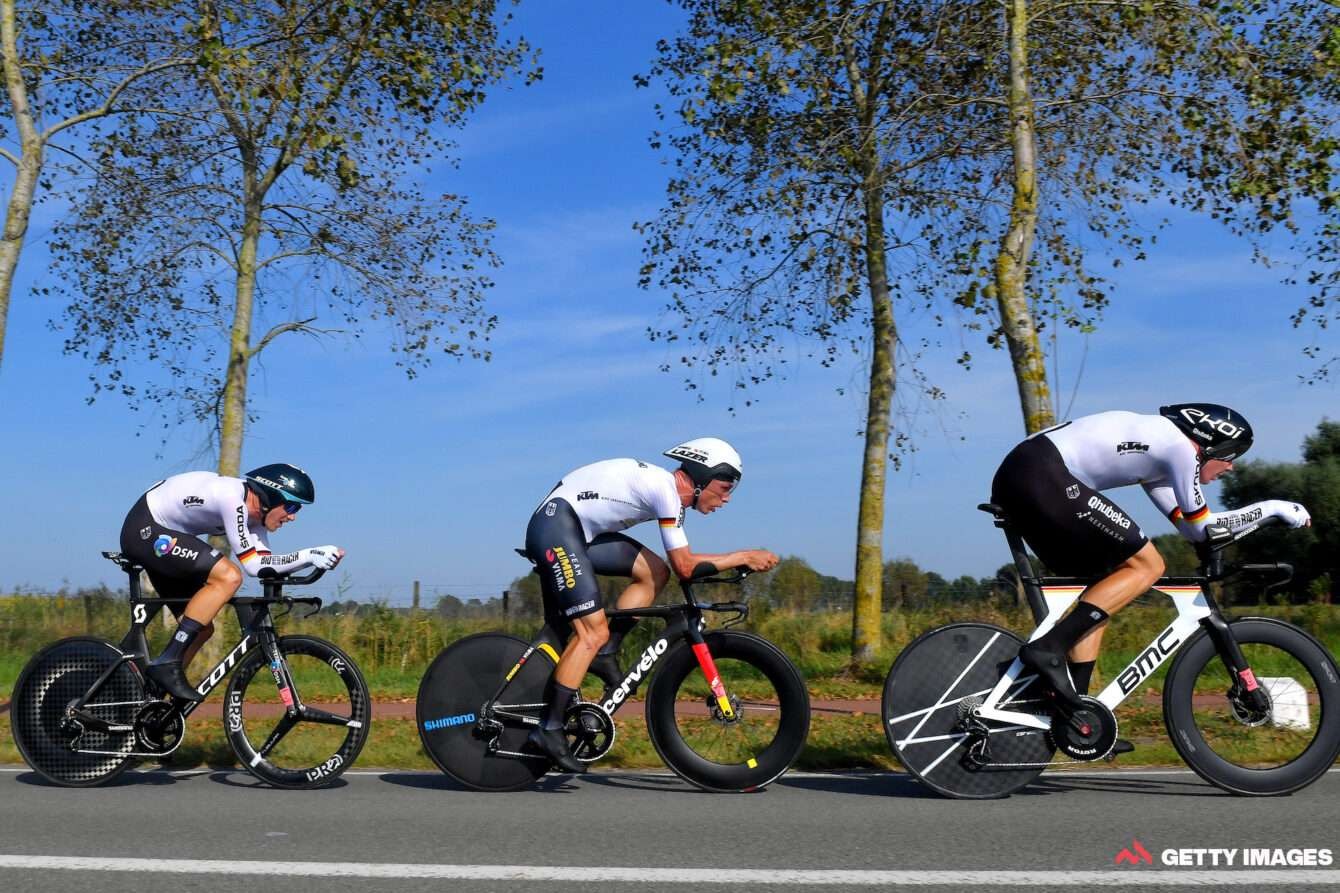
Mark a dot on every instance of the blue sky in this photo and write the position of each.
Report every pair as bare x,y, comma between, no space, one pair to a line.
434,479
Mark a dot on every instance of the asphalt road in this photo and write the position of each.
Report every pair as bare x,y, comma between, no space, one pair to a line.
213,830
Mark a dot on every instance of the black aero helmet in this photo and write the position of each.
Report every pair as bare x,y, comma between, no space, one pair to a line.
1220,432
279,483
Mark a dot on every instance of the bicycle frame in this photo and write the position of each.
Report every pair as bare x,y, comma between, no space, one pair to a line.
253,615
681,622
1196,609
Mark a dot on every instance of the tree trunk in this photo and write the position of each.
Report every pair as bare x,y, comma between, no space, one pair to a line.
233,415
29,164
1016,317
865,638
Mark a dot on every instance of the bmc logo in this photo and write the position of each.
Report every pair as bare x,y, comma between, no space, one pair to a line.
1147,662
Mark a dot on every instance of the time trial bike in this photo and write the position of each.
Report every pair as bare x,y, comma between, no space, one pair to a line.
726,710
84,711
1252,704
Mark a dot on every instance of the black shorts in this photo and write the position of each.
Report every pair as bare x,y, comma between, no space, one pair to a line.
567,563
1073,528
178,564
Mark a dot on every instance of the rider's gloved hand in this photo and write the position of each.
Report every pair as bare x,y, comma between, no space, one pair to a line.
323,557
1291,513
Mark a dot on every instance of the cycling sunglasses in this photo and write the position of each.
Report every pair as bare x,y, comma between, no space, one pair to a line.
292,507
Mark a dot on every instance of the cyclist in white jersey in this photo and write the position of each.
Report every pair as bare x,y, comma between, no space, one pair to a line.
161,533
1050,485
576,533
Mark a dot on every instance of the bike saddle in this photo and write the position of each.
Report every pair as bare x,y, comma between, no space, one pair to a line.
126,564
996,512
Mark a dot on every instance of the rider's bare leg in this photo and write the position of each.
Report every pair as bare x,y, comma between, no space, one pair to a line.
589,632
1132,578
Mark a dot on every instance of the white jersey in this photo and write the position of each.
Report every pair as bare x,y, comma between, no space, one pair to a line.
616,494
1117,449
204,503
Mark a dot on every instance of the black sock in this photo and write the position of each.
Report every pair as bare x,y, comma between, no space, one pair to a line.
186,633
560,696
1071,628
1080,673
619,627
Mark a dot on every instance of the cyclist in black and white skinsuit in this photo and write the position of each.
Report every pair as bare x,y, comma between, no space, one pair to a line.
1050,487
161,533
576,533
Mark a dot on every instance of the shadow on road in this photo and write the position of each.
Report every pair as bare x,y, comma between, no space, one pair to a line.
124,780
428,782
873,784
668,784
236,778
1120,783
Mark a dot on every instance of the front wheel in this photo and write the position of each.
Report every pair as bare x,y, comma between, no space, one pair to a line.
315,746
1261,747
57,749
743,744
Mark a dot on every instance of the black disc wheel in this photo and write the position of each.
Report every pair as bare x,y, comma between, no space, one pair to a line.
927,710
1272,740
315,746
470,747
61,751
745,742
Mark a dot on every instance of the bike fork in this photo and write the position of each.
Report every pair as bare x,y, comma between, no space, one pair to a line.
709,669
1234,661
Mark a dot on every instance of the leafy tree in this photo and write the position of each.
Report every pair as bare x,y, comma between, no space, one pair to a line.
904,584
275,188
1101,107
792,205
793,585
66,63
524,598
1315,482
1178,554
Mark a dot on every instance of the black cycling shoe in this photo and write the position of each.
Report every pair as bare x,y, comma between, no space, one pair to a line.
168,676
1051,669
1121,746
555,744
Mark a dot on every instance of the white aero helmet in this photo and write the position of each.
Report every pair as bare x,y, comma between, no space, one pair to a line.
705,459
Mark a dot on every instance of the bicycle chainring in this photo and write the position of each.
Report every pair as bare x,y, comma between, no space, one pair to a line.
590,731
1087,733
159,727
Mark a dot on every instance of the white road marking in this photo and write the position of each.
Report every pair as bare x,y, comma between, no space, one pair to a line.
742,876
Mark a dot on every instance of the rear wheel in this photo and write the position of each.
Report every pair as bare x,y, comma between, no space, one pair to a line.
59,674
928,698
315,747
745,747
450,705
1255,748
